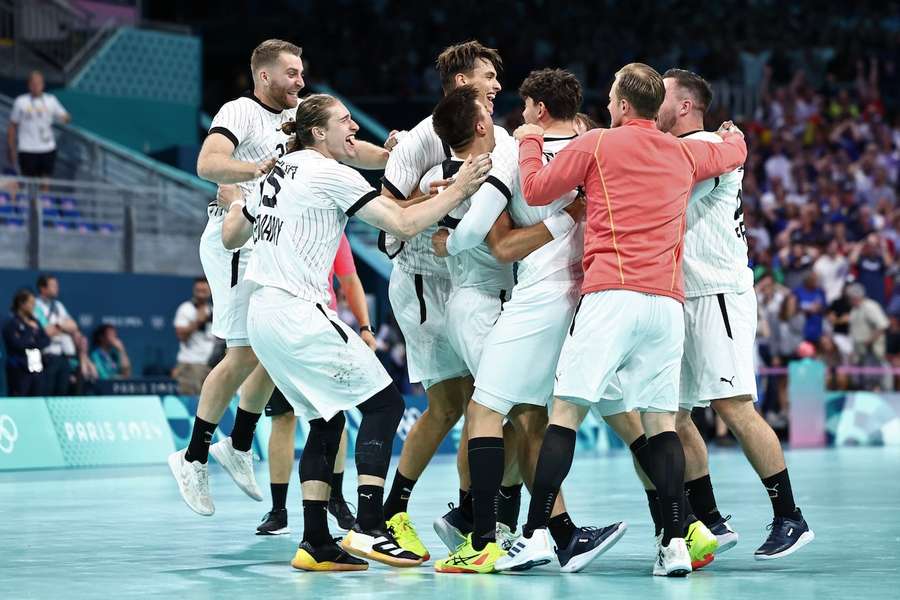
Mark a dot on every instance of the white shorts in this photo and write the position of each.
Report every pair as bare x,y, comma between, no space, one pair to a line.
633,337
419,303
320,364
471,314
521,351
224,269
719,332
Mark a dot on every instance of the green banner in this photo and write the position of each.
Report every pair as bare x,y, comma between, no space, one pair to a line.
27,436
111,430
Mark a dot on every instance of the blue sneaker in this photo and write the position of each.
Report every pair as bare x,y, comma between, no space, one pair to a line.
787,536
725,535
586,544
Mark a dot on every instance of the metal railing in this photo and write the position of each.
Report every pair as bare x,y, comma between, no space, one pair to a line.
73,225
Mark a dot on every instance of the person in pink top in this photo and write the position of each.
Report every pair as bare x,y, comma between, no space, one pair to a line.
628,329
284,422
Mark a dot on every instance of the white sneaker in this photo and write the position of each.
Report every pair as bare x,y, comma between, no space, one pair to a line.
239,465
505,537
193,483
673,560
527,553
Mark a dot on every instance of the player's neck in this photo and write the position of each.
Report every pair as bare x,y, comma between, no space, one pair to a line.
558,128
321,149
686,125
265,100
479,146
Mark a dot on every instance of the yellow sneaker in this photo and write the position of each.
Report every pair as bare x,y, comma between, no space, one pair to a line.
701,543
405,533
326,558
466,559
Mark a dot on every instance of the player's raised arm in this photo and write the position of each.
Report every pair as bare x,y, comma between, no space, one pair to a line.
510,244
368,156
404,223
216,164
542,184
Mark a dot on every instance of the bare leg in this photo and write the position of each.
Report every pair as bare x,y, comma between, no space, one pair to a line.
695,456
756,437
281,448
223,381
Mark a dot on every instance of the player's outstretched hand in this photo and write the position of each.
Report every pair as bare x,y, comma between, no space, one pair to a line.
439,242
473,173
228,194
393,139
527,129
728,127
263,168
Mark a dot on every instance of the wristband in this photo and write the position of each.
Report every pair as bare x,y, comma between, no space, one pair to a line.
366,328
559,224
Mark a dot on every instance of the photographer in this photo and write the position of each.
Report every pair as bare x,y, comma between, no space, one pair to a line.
24,339
192,326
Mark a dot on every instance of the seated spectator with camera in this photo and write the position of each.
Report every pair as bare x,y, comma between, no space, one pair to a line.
193,321
24,339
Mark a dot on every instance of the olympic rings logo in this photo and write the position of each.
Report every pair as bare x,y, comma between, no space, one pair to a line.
9,433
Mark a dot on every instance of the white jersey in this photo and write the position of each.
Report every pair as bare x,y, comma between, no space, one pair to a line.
298,217
477,267
715,245
561,257
420,150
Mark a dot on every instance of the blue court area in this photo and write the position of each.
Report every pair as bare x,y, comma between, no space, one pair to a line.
125,533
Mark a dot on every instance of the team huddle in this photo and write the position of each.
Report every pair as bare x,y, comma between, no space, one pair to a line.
631,298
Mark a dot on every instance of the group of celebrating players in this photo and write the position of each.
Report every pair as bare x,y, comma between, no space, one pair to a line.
632,299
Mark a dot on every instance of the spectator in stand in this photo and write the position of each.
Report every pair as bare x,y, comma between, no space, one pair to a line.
24,339
109,355
839,324
66,361
811,302
867,324
193,320
832,269
30,135
872,259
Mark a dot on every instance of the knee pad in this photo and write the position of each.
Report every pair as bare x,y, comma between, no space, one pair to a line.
381,416
320,451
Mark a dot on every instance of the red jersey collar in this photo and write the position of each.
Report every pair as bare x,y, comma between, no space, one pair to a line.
645,123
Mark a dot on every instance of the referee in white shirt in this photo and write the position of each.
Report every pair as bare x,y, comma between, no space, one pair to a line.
30,135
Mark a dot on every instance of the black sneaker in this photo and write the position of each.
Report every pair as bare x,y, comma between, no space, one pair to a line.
329,557
586,544
339,510
725,535
453,527
787,536
274,523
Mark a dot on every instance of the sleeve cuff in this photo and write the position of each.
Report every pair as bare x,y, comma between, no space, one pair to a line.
559,224
247,214
368,197
227,133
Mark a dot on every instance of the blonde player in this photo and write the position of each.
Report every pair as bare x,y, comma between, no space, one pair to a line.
720,328
321,365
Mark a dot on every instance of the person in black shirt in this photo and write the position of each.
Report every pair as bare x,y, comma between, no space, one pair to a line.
24,339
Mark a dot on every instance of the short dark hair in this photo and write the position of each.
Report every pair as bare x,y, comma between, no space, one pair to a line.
43,280
642,86
699,89
559,90
98,334
19,298
201,280
455,116
461,58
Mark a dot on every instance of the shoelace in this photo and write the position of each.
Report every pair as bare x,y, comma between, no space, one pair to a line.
203,480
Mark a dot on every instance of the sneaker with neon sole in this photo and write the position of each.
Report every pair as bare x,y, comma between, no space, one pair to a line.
466,559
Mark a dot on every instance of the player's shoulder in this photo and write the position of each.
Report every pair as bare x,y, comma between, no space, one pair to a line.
703,136
500,132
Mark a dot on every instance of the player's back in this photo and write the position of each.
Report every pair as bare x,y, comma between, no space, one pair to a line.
715,245
559,255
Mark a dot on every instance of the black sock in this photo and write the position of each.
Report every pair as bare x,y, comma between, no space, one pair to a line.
315,522
653,503
562,529
781,494
201,437
398,498
279,495
703,501
242,432
667,474
370,513
465,505
337,486
553,465
486,468
689,517
509,502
